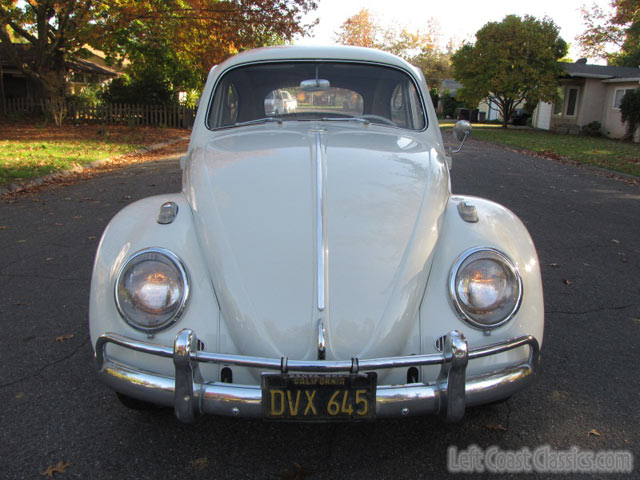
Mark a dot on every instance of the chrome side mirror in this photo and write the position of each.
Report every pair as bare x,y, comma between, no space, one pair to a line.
461,130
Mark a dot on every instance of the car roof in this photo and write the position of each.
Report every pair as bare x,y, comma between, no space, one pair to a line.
308,52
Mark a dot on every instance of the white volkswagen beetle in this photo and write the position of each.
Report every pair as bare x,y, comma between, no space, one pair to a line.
315,266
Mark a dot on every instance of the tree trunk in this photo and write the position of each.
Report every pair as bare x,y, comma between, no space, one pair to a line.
3,100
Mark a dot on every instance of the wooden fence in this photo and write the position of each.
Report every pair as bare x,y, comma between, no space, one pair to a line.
175,116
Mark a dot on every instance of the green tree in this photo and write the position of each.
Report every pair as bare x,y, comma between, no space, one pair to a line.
512,61
630,112
613,36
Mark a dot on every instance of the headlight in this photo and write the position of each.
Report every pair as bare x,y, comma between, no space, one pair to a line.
485,287
152,289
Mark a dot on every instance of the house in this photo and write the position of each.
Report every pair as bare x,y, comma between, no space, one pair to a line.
81,72
488,109
588,93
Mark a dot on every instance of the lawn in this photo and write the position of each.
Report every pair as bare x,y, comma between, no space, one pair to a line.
600,152
29,151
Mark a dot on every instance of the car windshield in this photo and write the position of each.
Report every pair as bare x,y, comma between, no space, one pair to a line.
329,91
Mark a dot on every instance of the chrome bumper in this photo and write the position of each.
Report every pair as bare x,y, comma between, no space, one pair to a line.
448,396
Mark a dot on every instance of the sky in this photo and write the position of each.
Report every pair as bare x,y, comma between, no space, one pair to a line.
458,19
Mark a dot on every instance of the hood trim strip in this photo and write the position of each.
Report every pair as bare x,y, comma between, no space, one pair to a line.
320,222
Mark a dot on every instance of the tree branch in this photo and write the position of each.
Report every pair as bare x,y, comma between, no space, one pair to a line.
4,14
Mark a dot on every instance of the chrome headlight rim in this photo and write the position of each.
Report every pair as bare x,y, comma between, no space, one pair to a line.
184,276
507,262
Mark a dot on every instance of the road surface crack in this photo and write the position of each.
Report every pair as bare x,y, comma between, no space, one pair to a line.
43,277
595,310
50,364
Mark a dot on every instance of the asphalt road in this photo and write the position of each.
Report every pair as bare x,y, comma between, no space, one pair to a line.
587,231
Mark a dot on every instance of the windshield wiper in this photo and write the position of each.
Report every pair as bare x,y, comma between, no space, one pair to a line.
364,121
258,121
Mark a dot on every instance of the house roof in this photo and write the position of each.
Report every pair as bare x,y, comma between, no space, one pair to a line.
451,85
77,65
599,71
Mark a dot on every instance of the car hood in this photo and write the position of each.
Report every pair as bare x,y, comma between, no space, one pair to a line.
254,195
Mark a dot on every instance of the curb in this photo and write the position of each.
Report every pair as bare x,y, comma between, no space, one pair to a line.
87,166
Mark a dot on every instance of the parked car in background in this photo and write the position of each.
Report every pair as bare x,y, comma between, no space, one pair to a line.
519,117
315,265
279,102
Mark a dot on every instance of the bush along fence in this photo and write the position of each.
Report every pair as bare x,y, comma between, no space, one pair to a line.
174,116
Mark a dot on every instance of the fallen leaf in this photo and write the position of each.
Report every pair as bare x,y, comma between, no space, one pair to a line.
19,395
19,304
567,282
92,237
496,428
77,217
48,259
59,468
560,396
199,464
21,241
593,432
3,227
297,473
554,265
613,240
59,224
62,338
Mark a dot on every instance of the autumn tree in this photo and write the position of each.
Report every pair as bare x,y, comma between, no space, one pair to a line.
419,47
180,40
54,32
360,30
613,36
511,61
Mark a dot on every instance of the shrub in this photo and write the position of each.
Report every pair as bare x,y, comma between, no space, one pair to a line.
630,111
449,105
592,129
89,96
144,90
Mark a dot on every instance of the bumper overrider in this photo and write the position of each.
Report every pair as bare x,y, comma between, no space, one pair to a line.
190,397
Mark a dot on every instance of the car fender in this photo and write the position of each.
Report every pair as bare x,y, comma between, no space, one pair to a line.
497,228
133,229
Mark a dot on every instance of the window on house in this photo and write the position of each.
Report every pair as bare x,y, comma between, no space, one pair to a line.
617,98
572,102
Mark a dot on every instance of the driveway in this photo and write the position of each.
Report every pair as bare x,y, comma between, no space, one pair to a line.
587,230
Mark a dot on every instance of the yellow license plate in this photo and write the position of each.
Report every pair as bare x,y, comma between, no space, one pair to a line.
319,398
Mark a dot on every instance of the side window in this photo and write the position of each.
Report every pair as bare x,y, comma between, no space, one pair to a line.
225,106
406,109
